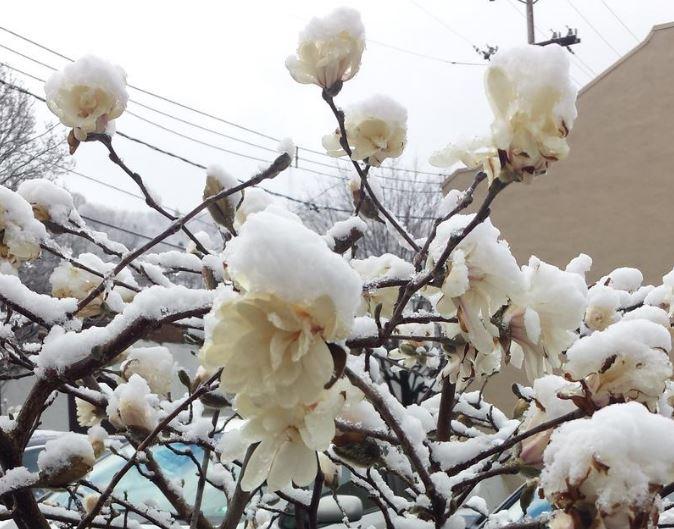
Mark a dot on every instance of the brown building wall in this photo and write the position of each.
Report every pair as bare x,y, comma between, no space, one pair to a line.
613,197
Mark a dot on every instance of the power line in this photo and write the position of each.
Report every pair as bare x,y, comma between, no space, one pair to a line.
424,56
594,28
615,15
229,151
130,232
442,23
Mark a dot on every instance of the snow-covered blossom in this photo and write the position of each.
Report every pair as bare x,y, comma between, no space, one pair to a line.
298,296
602,306
97,436
581,265
382,268
87,94
21,233
288,439
626,361
223,210
476,153
70,281
254,200
545,406
543,319
468,365
154,364
49,201
609,467
481,275
132,406
533,101
376,129
663,295
329,50
87,413
65,459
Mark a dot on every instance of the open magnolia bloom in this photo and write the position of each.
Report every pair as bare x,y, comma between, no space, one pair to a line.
271,348
467,365
288,439
607,470
545,406
543,318
70,281
133,406
21,234
329,50
298,295
602,305
533,101
477,153
376,129
381,268
87,94
627,361
481,276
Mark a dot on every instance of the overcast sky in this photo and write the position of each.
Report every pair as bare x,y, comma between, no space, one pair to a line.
227,58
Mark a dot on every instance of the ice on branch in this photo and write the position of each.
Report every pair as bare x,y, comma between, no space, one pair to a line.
21,232
70,281
381,268
533,101
544,316
376,129
49,201
481,275
609,468
627,361
288,439
87,94
329,50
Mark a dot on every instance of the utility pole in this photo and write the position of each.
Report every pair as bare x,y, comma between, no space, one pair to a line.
531,35
565,41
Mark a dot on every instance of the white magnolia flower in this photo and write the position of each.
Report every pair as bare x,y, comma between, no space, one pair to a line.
20,232
87,94
376,129
467,365
70,281
288,439
87,413
627,361
481,276
602,306
610,467
477,153
545,406
533,101
271,348
49,201
154,364
329,50
133,406
378,269
543,319
663,295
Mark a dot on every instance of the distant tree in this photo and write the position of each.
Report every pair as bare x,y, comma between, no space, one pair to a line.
26,152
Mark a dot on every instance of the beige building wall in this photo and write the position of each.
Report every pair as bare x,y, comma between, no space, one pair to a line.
613,197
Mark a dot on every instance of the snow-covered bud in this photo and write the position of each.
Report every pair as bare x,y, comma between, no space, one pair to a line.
131,406
97,436
344,234
331,471
608,469
87,94
376,129
329,50
381,268
65,459
533,101
627,361
90,501
49,201
223,210
20,232
602,306
154,364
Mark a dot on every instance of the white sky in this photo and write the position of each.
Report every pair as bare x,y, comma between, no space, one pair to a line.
227,58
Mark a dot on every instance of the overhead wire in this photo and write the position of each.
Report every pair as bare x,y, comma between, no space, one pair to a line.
587,21
615,15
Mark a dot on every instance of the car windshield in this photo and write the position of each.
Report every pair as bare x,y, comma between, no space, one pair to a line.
177,468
